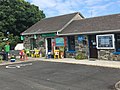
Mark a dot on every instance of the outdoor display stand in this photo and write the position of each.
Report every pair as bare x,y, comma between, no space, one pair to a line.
56,54
60,45
32,53
61,48
37,53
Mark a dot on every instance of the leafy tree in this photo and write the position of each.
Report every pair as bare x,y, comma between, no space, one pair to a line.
18,15
2,37
15,17
10,38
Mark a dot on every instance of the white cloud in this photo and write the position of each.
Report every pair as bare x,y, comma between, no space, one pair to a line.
96,10
44,3
92,2
58,7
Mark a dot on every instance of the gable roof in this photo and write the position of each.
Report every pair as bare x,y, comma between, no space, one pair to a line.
49,25
102,24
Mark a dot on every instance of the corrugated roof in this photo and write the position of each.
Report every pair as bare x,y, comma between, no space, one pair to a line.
48,25
109,23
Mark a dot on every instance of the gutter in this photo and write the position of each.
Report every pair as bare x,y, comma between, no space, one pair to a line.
94,32
38,33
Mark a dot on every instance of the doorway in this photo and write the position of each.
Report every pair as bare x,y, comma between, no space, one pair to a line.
93,53
49,44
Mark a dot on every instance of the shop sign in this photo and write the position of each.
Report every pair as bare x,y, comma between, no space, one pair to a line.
21,37
59,41
80,38
48,34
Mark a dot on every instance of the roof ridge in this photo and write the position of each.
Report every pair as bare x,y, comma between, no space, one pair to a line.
103,16
97,17
61,15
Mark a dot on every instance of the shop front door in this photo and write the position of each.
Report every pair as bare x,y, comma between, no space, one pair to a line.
93,53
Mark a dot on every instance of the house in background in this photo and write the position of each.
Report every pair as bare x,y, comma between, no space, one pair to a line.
96,37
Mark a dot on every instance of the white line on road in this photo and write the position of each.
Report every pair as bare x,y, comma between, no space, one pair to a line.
18,65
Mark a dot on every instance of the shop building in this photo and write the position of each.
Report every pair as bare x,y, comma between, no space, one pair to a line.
44,33
100,36
96,37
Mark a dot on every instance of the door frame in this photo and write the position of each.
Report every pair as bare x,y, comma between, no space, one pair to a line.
92,46
46,44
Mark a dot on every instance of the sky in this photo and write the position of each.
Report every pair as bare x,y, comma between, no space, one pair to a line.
88,8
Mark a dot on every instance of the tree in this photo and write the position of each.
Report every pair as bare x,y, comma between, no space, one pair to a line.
10,38
15,17
18,15
2,43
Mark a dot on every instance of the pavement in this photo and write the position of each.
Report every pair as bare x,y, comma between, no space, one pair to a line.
101,63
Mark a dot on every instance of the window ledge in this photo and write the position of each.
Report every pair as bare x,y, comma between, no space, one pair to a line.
116,53
71,51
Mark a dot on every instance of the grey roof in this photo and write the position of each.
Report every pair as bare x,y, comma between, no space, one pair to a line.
49,25
102,24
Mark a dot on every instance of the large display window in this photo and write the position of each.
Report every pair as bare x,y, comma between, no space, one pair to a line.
105,41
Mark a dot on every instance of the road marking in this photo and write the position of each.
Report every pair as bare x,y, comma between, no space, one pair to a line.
18,65
27,64
117,85
12,66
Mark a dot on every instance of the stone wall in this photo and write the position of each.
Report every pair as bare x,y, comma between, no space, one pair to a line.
80,47
40,42
27,41
105,54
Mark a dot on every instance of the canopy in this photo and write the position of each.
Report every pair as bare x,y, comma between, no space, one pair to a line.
19,46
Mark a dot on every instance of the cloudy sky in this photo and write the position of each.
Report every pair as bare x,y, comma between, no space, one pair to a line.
87,8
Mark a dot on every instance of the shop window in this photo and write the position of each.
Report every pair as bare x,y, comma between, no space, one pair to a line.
105,41
118,43
82,39
71,43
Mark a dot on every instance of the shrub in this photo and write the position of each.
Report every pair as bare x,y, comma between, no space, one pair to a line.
80,56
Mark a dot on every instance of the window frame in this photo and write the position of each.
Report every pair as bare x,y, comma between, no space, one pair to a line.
113,41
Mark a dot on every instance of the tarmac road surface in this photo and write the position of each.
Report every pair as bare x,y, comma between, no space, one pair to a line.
58,76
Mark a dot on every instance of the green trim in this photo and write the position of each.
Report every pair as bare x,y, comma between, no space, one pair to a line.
21,37
48,35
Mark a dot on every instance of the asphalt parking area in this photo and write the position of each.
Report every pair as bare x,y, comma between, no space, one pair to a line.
58,76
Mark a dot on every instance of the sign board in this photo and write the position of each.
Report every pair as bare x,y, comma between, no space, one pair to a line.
21,37
59,41
48,34
81,38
